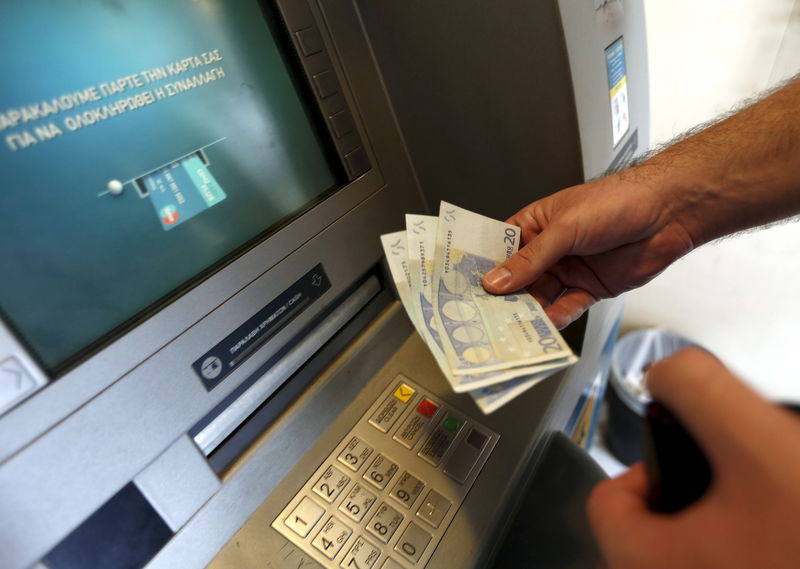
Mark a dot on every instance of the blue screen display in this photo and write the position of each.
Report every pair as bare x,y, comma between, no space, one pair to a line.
141,142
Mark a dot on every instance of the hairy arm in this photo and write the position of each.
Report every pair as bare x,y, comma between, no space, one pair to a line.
603,238
739,173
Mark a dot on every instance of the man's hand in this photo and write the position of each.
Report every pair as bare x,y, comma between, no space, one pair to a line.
749,516
606,237
590,242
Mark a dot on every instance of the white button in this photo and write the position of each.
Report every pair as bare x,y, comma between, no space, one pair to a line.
362,555
330,484
413,542
407,489
15,383
332,537
385,522
357,502
355,454
380,472
304,517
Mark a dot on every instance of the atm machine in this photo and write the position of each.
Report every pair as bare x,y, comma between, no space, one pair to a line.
202,362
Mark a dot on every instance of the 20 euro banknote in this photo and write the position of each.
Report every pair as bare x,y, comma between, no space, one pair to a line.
481,332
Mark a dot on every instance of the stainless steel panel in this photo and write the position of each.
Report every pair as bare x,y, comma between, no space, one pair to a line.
487,507
483,97
310,427
178,482
232,416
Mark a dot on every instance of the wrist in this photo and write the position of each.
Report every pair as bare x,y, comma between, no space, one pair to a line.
675,197
739,173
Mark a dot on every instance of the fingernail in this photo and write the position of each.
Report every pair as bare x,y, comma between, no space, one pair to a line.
498,277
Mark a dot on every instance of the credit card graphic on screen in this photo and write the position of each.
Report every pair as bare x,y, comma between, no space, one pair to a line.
181,190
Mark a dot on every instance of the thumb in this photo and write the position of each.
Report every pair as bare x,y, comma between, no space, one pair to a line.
729,420
527,264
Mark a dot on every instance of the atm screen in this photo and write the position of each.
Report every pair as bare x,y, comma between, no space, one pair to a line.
142,145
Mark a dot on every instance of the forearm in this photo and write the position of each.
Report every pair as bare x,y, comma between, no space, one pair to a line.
739,173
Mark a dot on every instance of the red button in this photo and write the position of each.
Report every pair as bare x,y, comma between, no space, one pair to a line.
427,408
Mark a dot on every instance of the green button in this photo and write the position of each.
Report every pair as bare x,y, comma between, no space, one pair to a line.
451,424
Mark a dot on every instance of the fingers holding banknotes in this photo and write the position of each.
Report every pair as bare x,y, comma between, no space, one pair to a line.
590,242
749,515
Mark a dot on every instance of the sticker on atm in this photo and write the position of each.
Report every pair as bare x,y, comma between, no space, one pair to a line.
617,90
181,190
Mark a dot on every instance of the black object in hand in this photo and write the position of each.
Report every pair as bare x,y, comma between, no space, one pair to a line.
677,470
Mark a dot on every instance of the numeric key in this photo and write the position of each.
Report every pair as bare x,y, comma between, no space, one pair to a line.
332,537
380,472
385,522
363,555
413,542
331,484
304,516
407,489
355,454
357,502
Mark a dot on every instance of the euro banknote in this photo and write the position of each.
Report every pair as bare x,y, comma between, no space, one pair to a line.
493,347
481,332
491,396
421,232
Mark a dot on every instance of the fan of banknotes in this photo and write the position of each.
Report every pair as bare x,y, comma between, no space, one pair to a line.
494,347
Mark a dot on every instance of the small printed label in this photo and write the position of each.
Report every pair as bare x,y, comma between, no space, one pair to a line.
236,347
617,90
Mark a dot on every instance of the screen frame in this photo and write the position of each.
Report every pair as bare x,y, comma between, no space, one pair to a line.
265,266
290,58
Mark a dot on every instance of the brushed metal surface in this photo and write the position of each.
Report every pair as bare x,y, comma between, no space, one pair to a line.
232,416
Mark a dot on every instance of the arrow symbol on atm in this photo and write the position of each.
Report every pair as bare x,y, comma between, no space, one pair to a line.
17,375
427,408
404,393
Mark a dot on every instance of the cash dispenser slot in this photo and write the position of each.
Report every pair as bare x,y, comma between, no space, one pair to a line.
242,416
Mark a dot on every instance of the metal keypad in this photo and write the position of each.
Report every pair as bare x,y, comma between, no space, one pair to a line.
385,496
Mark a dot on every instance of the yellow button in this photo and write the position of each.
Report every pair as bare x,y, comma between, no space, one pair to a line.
404,393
